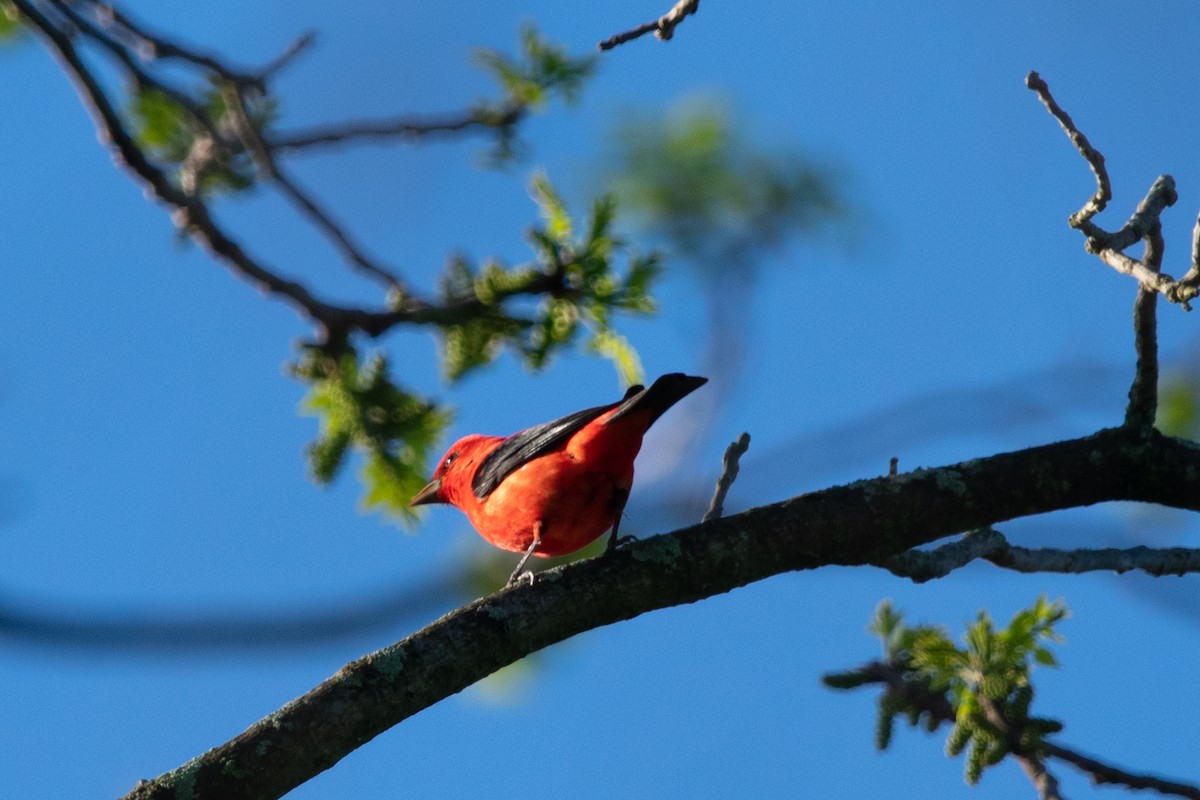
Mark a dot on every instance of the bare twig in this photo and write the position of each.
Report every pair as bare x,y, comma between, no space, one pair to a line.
1109,246
663,27
926,565
729,471
247,131
154,45
402,128
294,50
1101,773
1090,154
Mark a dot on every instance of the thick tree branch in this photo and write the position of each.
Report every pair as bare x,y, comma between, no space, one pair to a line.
663,27
860,523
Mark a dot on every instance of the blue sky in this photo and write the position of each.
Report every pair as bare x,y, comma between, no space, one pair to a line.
153,446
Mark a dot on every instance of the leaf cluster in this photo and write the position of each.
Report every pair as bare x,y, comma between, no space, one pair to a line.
983,685
716,197
10,22
1179,408
541,71
360,408
194,135
581,287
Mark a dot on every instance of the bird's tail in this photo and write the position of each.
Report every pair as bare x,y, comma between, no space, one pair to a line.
662,394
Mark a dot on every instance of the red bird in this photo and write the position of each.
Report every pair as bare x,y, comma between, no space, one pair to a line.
554,488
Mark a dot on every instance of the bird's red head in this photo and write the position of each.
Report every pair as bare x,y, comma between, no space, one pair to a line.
454,471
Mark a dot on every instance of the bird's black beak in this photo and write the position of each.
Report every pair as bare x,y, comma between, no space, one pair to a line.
429,494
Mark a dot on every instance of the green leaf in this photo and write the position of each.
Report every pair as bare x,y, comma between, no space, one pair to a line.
991,670
580,286
10,22
957,740
360,409
542,70
1044,657
558,221
885,723
326,454
617,349
1179,408
161,124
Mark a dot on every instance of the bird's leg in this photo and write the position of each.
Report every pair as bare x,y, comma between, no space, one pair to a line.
517,575
620,497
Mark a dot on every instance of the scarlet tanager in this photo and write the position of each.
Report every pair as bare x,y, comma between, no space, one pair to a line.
554,488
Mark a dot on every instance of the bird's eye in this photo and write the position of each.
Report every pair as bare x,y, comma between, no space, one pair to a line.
449,460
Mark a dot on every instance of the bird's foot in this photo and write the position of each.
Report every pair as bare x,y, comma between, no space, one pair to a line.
618,541
519,576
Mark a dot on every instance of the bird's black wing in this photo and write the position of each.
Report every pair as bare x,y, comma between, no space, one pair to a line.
521,448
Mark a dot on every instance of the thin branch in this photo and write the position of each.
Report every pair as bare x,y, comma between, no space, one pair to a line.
298,46
137,75
1101,773
247,131
154,46
1032,764
1190,283
402,128
1109,246
1145,218
663,27
1094,158
189,213
991,545
729,473
1143,392
855,524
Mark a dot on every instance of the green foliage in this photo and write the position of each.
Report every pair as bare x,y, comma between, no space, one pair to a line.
581,289
361,409
187,136
10,22
985,682
717,199
529,81
541,71
1179,408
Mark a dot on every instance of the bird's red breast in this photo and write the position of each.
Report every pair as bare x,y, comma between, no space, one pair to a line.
571,475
